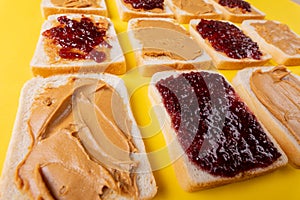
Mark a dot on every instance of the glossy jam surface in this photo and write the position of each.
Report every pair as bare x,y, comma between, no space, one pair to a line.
229,39
146,4
214,127
78,39
236,4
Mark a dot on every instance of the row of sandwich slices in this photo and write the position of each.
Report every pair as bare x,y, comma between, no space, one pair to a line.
191,176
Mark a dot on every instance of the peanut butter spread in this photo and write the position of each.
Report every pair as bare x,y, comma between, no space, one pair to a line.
163,38
81,144
194,7
279,35
279,92
76,3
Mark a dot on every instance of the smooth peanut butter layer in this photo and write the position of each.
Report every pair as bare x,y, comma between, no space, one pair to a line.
195,7
279,92
76,3
279,35
163,38
81,144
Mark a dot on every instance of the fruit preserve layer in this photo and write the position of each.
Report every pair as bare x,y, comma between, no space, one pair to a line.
228,39
215,128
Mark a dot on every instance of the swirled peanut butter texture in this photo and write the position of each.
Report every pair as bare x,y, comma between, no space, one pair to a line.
81,144
279,35
163,38
279,92
76,3
195,7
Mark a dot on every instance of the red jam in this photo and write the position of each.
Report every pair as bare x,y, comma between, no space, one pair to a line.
146,4
236,4
229,39
217,131
78,39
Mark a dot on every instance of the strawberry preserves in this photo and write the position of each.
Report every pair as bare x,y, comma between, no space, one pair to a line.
236,4
146,4
78,39
217,131
227,38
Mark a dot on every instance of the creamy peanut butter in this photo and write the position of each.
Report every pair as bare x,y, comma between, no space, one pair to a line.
76,3
279,92
194,7
279,35
163,38
81,144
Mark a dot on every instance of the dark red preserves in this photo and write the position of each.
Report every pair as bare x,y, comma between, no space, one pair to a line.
229,39
217,131
146,4
78,39
236,4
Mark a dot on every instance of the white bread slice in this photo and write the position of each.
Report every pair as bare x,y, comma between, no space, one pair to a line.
21,139
221,60
40,62
48,8
287,141
278,55
148,65
238,18
127,14
189,176
184,17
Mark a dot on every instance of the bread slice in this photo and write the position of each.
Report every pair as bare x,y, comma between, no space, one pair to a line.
221,60
277,54
191,177
21,139
230,15
149,64
184,17
126,13
289,144
42,64
48,8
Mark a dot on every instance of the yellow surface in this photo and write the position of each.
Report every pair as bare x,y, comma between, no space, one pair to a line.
20,25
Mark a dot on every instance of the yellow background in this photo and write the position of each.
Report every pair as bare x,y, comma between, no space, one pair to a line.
20,23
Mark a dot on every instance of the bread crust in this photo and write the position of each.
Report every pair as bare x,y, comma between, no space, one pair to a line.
21,140
190,177
40,65
184,17
48,9
126,14
287,141
220,60
238,18
277,54
150,65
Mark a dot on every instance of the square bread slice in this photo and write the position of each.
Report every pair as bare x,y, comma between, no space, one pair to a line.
221,154
52,7
47,60
237,14
127,12
21,141
163,44
220,59
185,10
287,140
275,33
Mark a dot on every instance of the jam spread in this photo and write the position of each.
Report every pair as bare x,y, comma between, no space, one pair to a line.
236,4
229,39
79,39
146,4
217,131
